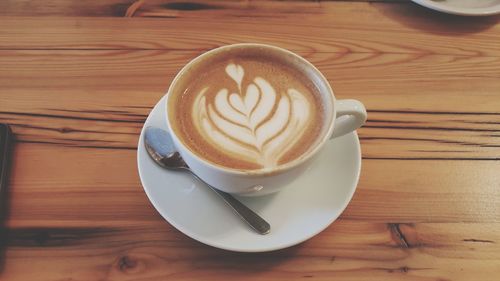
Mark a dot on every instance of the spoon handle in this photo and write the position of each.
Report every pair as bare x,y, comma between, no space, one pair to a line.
250,217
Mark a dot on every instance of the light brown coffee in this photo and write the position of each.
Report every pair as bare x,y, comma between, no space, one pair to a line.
247,109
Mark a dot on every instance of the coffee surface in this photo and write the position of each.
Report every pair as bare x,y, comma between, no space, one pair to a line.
247,112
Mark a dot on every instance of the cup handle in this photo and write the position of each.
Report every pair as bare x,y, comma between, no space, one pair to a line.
351,114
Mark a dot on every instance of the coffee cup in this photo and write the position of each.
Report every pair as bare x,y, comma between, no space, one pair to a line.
245,115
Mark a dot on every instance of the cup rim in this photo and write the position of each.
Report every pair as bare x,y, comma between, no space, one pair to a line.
263,171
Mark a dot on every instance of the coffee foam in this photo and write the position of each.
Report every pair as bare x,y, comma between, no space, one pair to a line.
246,112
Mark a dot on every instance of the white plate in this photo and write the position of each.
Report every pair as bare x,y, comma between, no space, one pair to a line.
463,7
297,213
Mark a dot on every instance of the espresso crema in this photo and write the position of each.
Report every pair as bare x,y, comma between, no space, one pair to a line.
247,111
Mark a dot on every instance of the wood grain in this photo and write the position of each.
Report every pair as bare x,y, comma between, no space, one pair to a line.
124,8
78,79
348,250
375,28
58,105
67,179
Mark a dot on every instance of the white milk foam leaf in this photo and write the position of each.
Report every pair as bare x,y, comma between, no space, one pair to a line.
258,124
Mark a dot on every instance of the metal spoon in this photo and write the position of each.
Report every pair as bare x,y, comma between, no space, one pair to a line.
160,147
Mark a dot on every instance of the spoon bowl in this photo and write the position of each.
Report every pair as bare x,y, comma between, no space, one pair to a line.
160,147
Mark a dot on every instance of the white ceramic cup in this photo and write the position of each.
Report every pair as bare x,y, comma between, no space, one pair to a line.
341,117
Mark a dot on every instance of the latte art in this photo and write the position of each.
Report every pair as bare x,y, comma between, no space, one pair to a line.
256,123
247,109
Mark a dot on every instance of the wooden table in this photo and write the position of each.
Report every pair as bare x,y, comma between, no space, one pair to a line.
78,79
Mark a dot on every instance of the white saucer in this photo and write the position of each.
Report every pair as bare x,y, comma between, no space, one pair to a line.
463,7
297,213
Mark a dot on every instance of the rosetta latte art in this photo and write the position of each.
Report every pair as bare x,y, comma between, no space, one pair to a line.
256,124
